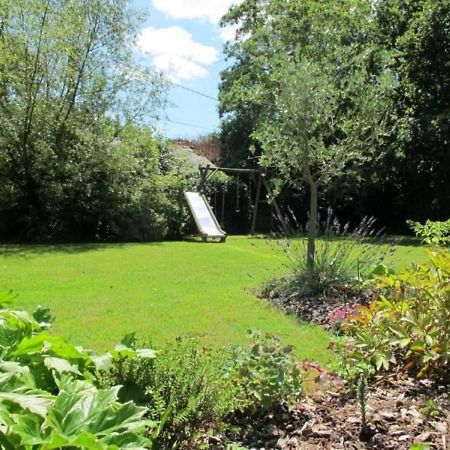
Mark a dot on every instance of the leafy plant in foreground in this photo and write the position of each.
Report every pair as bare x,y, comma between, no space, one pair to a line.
408,327
266,376
68,422
183,388
47,399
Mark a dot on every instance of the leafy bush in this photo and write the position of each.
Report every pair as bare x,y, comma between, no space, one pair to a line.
343,259
432,232
46,397
183,388
408,327
34,418
266,376
73,157
189,390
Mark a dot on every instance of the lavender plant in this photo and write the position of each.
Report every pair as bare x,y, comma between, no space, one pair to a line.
345,258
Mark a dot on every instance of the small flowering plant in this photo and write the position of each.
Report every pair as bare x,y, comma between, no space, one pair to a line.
342,313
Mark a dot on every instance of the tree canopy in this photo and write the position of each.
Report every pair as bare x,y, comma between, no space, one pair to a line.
385,65
71,97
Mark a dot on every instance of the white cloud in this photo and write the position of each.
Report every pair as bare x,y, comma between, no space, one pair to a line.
228,33
175,52
210,10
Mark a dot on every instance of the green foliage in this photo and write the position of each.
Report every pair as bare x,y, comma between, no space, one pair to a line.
432,232
73,161
189,390
266,376
105,424
183,389
362,393
417,35
386,80
33,418
346,366
47,399
313,100
408,327
25,341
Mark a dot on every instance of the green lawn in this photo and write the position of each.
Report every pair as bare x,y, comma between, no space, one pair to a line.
100,292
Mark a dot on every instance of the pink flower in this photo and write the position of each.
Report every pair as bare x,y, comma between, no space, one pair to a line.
342,312
338,314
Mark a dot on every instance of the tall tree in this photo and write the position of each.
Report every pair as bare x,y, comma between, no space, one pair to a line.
402,48
300,70
68,88
267,28
417,34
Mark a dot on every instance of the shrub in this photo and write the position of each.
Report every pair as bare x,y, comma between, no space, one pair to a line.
266,376
432,232
73,151
183,388
408,326
190,390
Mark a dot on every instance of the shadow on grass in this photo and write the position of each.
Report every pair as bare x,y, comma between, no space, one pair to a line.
403,241
29,250
199,240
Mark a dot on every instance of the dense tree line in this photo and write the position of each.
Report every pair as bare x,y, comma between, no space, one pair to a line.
349,99
78,159
366,83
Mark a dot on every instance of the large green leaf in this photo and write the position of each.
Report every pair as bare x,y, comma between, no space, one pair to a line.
80,408
14,376
43,317
129,340
79,415
60,365
28,428
50,345
102,362
35,403
7,298
14,327
83,440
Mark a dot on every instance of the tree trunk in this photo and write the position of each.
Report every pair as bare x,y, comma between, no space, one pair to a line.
312,225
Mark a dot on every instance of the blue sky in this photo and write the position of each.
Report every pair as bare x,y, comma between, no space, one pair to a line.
182,38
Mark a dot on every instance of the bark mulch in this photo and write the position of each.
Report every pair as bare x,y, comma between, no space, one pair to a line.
401,412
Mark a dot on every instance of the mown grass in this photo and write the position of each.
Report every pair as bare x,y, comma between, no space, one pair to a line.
99,292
